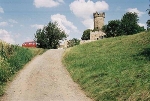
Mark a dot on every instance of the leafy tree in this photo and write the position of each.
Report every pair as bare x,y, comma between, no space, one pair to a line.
49,37
148,24
113,28
126,26
130,23
86,35
148,21
73,42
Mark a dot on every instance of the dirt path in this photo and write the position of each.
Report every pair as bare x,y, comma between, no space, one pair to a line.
44,79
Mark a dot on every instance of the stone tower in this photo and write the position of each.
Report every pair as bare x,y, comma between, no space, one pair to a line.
98,20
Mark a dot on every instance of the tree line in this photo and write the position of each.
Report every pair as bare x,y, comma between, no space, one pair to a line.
128,25
49,37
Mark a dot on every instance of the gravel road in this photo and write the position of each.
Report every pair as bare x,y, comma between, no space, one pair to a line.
44,79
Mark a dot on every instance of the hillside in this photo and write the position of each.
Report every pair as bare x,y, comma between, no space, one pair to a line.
112,69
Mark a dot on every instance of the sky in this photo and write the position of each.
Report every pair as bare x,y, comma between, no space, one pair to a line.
20,19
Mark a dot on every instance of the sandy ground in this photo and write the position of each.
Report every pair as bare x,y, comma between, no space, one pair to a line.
45,79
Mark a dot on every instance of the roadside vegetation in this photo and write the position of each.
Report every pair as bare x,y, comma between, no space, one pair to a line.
12,59
112,69
73,42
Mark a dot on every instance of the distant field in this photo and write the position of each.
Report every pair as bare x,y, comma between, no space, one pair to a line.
113,69
12,59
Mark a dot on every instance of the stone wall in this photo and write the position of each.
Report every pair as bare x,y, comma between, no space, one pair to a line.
96,35
86,41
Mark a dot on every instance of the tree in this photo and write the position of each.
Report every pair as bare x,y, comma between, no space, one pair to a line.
49,37
130,23
126,26
148,24
86,35
148,21
73,42
113,28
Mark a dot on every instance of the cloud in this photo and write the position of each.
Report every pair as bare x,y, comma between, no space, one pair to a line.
47,3
135,10
1,10
6,36
12,21
64,24
142,25
88,23
85,8
3,24
37,26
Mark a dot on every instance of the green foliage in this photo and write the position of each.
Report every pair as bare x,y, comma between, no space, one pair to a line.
49,36
148,24
112,69
73,42
128,25
86,35
148,21
12,59
113,28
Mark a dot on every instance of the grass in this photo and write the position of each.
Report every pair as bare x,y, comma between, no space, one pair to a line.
113,69
12,59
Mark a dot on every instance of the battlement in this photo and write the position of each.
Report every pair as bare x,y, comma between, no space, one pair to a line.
99,14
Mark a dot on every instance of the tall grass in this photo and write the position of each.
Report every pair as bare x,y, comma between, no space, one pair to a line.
12,59
113,69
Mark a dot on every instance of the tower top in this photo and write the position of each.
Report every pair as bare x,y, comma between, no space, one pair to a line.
99,14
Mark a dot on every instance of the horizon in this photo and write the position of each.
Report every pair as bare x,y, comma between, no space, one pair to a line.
19,19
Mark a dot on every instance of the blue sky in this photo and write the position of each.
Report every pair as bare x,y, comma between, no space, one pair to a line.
19,19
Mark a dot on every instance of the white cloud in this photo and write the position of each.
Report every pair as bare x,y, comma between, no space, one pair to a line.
64,24
1,10
85,8
88,23
37,26
6,36
47,3
12,21
142,25
3,24
135,10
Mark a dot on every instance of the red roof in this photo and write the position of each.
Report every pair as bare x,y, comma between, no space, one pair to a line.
29,44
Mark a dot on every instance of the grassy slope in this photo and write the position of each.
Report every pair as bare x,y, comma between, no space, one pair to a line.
12,59
112,69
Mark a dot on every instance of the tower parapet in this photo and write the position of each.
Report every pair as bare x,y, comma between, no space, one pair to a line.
99,14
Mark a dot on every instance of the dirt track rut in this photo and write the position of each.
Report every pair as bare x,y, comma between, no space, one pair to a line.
44,79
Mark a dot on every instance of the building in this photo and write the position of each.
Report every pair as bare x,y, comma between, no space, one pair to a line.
98,20
29,44
97,33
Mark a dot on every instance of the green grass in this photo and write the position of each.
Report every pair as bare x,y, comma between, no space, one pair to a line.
12,59
113,69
